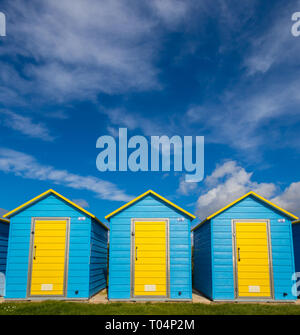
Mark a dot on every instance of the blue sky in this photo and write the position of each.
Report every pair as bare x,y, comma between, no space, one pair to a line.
71,71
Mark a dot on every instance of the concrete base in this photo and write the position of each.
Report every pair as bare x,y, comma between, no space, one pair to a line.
99,298
199,298
158,300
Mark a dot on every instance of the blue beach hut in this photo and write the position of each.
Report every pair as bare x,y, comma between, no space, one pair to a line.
56,250
244,251
4,229
150,250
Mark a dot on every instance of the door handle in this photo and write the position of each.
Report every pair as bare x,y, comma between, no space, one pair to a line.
34,254
239,254
136,254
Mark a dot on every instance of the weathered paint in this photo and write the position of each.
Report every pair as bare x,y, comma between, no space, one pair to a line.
150,207
219,231
4,229
86,255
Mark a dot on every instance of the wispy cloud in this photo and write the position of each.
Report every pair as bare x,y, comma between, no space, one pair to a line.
78,49
242,116
25,125
81,202
253,111
171,11
120,117
26,166
275,46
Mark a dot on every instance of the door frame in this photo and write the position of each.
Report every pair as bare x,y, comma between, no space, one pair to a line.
132,259
29,276
235,266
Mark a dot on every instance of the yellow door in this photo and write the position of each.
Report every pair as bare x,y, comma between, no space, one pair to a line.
48,258
150,258
252,258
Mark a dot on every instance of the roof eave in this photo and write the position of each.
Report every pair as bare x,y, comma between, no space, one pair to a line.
44,194
109,216
200,224
101,223
286,213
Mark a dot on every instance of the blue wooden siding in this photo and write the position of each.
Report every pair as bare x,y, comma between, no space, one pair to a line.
282,248
119,249
19,243
4,229
202,260
296,242
98,260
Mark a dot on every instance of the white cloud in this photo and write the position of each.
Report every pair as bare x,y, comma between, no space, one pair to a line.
81,202
228,168
228,182
186,188
249,119
289,199
171,11
25,125
258,107
81,48
276,45
113,131
14,88
120,117
26,166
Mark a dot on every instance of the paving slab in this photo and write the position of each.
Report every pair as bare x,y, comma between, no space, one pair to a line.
198,297
99,298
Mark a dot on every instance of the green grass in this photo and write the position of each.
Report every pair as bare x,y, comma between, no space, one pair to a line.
74,308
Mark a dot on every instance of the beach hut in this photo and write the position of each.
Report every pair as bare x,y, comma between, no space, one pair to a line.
244,251
56,250
4,229
150,250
